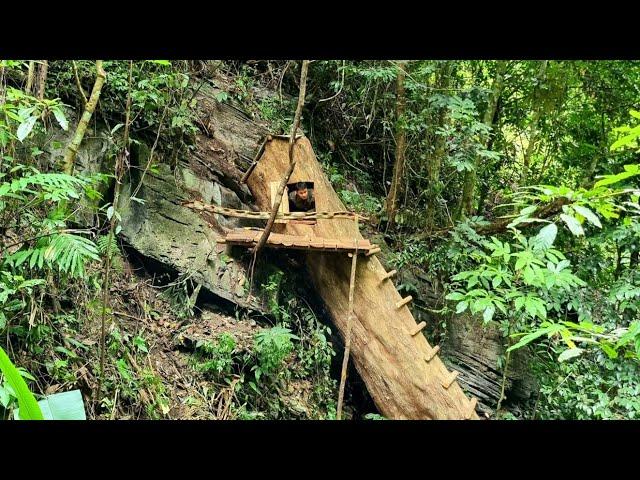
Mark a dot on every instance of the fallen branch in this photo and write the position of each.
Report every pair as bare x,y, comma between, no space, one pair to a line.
500,226
78,84
544,211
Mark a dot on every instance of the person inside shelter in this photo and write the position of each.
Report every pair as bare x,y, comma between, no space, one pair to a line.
302,199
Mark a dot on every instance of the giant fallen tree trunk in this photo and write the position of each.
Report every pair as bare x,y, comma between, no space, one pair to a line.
403,373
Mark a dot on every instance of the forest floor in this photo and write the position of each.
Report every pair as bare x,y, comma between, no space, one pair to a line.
151,364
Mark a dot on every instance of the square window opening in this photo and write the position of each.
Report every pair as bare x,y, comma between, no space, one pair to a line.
301,197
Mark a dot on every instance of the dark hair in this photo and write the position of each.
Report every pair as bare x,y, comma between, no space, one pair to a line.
301,186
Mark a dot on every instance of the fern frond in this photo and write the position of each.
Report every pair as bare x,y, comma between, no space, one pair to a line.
67,252
107,245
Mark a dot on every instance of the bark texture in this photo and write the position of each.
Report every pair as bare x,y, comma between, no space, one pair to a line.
392,362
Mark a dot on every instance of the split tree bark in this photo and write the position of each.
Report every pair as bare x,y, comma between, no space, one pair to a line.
398,167
74,145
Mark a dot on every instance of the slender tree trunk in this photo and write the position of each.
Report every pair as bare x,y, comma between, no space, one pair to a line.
398,168
119,172
42,78
484,187
470,178
533,126
78,84
599,157
72,148
435,158
30,75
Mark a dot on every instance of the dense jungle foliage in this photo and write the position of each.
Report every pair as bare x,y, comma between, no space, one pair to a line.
511,185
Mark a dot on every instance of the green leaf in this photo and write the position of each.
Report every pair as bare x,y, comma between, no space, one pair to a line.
611,353
533,335
62,120
629,171
588,214
26,400
570,353
573,224
140,343
529,275
222,97
25,128
488,314
455,296
116,128
547,235
634,133
61,406
5,397
461,307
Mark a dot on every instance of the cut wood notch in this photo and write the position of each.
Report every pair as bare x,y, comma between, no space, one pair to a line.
404,301
418,328
472,408
373,251
434,351
452,378
388,275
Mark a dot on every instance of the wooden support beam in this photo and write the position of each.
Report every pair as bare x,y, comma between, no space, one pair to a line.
472,408
452,378
351,314
418,328
434,351
404,301
373,251
388,275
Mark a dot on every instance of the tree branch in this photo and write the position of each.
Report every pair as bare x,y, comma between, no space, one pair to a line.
72,148
292,162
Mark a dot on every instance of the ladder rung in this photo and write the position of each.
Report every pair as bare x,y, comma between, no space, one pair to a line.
404,301
388,275
434,351
373,251
472,408
418,328
452,378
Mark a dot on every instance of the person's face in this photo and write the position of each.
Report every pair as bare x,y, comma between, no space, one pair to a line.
303,193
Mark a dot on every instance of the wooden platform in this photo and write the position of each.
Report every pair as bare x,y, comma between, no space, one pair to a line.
250,237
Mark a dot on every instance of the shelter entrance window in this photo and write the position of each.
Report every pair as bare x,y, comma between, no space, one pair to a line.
301,197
